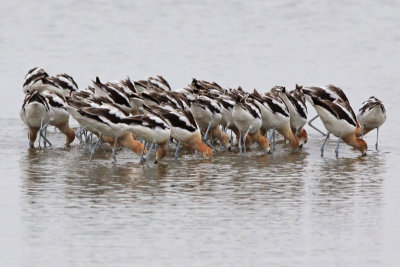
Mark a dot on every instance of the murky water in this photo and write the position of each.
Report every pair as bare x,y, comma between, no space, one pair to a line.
281,209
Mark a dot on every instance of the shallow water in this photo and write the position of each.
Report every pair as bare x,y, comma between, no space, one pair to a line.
280,209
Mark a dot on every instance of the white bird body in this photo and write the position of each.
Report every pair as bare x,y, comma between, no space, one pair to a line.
43,108
274,112
338,118
35,112
150,128
246,118
297,121
336,126
372,114
57,104
206,111
227,105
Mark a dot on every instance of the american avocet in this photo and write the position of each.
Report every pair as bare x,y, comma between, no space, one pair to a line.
159,82
152,83
33,79
247,118
35,112
206,112
158,97
371,115
37,79
329,93
227,101
61,83
85,99
295,102
115,95
338,118
275,115
202,97
107,122
227,104
60,115
183,129
48,108
127,88
153,130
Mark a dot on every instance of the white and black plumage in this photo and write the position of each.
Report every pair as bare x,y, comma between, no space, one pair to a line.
43,108
84,99
104,118
65,84
115,95
226,103
207,109
128,88
295,102
338,118
247,117
33,79
371,115
153,130
275,115
108,122
184,129
157,97
328,93
37,79
35,113
152,83
206,112
159,82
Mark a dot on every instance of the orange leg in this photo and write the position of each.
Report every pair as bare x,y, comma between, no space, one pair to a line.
237,133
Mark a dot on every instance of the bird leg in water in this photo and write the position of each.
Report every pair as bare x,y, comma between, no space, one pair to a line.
141,156
177,150
315,128
271,139
79,133
95,147
114,155
101,143
244,139
91,140
337,147
43,133
148,153
208,128
377,135
240,145
323,145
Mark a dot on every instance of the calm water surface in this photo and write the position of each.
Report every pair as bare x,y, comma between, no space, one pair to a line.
283,209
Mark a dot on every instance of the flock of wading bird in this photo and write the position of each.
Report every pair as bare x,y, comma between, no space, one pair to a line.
127,113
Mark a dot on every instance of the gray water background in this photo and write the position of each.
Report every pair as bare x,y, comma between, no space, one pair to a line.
282,209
